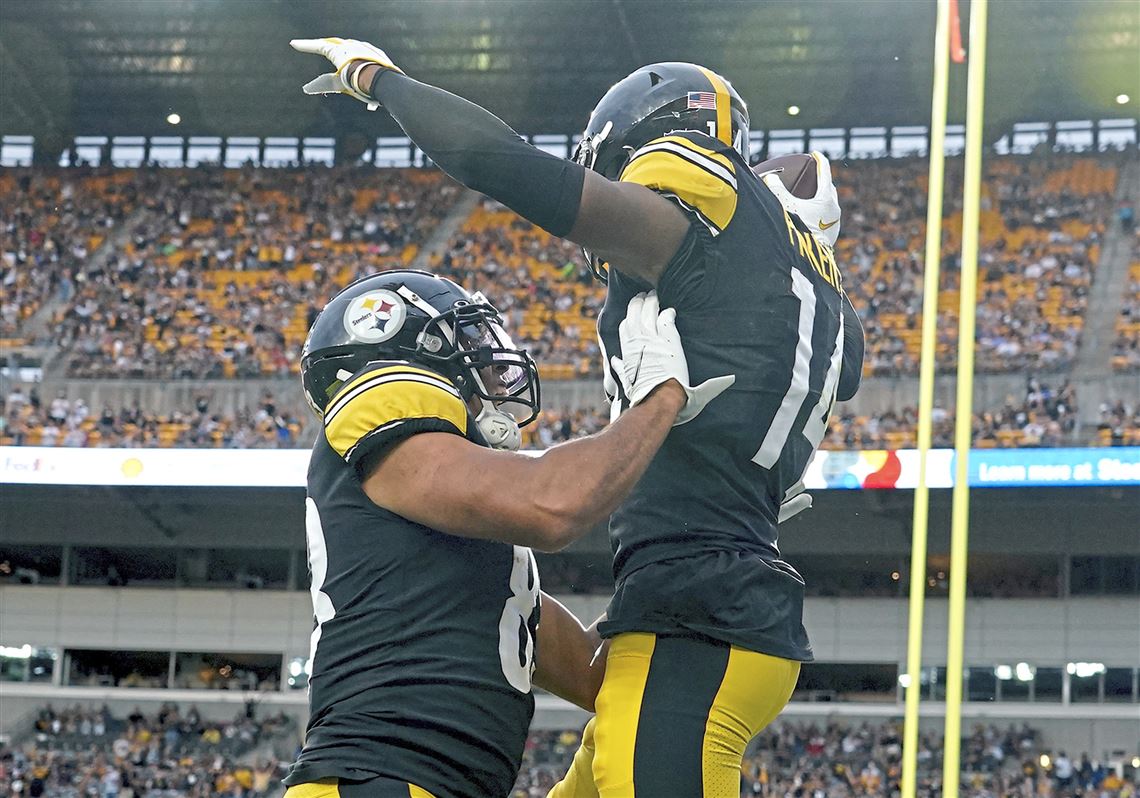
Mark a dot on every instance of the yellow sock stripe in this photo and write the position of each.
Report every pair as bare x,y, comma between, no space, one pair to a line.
418,792
723,106
619,710
754,689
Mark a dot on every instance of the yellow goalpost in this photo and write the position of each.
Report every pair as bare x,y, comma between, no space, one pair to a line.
963,423
933,258
963,427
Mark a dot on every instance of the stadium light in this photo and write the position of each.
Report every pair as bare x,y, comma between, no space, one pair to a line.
1085,670
1136,762
1003,672
1045,761
16,652
1122,99
173,119
793,110
1024,672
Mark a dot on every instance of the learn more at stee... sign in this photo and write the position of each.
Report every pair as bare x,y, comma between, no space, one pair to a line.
1045,467
836,470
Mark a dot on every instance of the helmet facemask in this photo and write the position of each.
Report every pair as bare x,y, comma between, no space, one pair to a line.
469,345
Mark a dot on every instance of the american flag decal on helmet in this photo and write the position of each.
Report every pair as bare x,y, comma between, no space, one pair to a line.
702,99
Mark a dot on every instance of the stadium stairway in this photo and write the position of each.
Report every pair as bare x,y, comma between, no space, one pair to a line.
437,242
1106,296
37,325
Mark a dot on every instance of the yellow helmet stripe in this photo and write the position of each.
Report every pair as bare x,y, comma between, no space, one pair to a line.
723,106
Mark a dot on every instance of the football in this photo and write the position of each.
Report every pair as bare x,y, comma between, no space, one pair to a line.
797,172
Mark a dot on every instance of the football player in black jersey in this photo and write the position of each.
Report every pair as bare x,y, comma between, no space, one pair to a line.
429,618
705,628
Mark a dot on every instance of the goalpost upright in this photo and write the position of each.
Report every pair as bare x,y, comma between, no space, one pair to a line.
963,424
931,268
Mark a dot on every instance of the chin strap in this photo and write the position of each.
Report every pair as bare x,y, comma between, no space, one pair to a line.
499,429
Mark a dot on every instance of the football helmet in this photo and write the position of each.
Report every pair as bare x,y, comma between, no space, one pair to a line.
655,101
416,317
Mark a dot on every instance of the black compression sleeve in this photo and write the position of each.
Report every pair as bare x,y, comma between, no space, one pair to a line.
480,151
851,371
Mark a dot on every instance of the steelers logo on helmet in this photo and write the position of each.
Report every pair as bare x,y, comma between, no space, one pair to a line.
375,317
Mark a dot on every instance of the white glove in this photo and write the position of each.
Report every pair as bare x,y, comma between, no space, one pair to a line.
794,506
653,355
342,52
795,502
821,213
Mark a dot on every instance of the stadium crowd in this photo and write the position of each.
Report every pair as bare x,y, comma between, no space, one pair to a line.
219,271
78,752
27,420
1043,218
1044,416
835,760
86,752
51,225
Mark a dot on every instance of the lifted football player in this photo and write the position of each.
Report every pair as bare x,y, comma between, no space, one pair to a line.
705,626
425,592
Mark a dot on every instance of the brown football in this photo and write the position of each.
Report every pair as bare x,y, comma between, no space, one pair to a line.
797,172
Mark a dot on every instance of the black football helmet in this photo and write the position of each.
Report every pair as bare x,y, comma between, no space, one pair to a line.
419,318
655,101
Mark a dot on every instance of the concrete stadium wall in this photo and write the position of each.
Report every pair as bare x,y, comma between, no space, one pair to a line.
877,393
1039,631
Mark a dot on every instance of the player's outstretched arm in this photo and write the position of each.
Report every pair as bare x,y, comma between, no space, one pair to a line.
627,225
448,483
567,661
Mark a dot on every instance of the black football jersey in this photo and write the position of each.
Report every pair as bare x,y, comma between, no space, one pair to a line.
423,645
757,297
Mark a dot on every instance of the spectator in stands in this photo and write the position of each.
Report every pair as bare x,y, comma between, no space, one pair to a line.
1127,216
1063,771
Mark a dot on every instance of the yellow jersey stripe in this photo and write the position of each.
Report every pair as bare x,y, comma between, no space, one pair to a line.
344,398
418,792
723,106
697,187
720,158
619,709
708,160
397,399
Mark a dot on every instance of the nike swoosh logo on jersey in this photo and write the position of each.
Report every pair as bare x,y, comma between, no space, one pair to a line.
824,225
